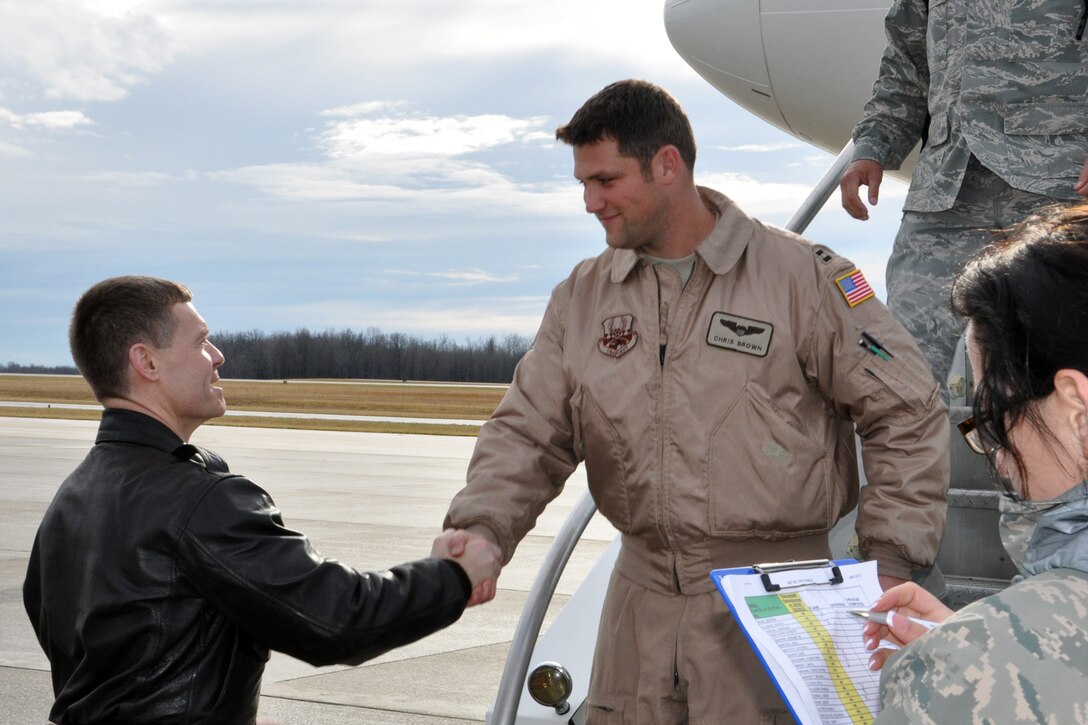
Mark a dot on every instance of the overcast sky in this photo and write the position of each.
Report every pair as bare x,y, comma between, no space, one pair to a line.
339,163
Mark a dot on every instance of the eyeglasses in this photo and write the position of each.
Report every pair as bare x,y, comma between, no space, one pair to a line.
972,436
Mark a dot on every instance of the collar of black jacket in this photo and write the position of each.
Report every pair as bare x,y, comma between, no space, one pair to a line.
128,426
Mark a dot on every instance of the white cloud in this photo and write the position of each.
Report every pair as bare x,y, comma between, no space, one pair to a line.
77,50
425,135
402,162
366,108
466,277
764,148
407,187
11,151
424,33
495,316
58,120
755,197
52,120
134,179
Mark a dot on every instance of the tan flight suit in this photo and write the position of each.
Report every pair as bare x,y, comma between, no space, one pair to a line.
716,423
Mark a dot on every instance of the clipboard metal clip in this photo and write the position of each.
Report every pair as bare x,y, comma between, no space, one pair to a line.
797,573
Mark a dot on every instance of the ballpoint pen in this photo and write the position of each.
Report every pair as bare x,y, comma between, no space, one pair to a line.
877,344
882,618
874,349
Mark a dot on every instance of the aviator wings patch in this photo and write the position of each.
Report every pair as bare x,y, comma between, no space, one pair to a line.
740,334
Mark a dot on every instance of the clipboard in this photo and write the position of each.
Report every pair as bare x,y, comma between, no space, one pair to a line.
795,615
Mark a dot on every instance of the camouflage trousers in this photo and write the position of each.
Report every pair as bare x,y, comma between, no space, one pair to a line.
932,247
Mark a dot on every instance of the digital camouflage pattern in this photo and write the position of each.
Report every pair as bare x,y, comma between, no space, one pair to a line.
931,247
1004,84
1004,80
1017,656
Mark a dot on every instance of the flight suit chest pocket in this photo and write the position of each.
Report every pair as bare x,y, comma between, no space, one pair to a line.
766,477
598,442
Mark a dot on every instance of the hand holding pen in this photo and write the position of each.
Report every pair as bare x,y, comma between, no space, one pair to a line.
908,611
888,618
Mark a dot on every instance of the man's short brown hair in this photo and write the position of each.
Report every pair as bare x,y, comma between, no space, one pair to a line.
114,315
639,116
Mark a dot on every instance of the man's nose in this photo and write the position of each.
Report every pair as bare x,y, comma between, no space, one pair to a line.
593,200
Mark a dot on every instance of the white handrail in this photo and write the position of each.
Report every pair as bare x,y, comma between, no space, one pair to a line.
525,635
820,193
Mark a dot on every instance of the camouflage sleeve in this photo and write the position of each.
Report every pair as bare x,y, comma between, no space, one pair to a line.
870,371
1014,656
894,117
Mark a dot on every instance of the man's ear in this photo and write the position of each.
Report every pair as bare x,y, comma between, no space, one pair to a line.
668,164
141,359
1072,389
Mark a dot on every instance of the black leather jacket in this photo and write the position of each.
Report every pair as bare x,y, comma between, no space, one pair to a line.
159,582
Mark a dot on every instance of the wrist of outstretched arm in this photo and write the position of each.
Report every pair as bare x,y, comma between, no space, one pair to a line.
487,532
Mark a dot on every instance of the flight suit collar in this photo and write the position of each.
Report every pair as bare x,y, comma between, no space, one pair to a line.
720,250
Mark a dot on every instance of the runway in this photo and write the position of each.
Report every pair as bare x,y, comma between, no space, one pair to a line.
370,500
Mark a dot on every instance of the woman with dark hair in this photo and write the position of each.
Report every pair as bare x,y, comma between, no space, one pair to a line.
1020,655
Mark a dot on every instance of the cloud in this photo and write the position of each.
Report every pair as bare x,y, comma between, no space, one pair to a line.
11,151
422,135
755,197
764,148
496,316
427,33
143,179
466,277
433,186
66,49
378,154
366,108
51,120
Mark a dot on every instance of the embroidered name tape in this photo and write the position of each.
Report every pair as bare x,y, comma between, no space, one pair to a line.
733,332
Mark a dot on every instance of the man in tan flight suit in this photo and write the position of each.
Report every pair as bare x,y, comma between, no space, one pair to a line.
707,369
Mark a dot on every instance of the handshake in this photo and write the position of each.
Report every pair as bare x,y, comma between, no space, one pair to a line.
478,556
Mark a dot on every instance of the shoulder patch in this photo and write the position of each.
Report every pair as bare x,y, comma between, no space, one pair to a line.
854,287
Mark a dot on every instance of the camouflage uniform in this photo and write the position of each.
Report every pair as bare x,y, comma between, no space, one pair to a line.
1003,86
1017,656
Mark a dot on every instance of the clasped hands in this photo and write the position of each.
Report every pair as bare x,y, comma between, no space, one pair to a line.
478,556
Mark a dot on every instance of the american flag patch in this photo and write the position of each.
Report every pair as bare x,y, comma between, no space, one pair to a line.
854,288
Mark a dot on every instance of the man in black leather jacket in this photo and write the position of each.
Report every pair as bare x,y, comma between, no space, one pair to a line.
159,581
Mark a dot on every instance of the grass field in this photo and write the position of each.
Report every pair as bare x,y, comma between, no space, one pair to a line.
342,397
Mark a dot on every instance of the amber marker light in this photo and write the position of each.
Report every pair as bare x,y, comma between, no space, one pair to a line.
550,685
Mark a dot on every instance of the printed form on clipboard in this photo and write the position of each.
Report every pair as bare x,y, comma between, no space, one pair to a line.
796,616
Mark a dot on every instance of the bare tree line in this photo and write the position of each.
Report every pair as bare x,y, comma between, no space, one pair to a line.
371,355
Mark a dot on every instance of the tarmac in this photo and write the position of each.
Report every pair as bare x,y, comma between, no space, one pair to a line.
371,500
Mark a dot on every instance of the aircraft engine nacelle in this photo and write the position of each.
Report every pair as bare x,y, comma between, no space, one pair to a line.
806,66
